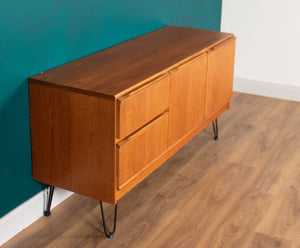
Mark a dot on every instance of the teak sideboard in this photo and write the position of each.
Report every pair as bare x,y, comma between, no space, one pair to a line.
104,122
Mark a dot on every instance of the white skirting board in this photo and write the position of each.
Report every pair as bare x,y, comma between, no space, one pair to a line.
27,213
266,89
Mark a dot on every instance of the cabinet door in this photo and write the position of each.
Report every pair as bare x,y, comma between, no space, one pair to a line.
187,97
219,76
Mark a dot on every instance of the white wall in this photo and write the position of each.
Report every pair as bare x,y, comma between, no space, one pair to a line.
28,212
268,41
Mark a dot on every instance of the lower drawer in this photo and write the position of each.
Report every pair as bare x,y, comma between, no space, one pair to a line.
140,149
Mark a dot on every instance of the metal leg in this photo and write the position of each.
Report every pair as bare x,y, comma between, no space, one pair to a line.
215,128
49,201
109,235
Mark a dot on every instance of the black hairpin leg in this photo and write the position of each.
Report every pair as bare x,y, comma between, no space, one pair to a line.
49,201
109,235
215,128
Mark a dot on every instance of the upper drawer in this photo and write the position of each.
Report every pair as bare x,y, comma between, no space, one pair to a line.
142,105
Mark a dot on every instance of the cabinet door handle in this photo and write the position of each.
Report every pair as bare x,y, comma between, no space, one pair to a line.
188,62
221,44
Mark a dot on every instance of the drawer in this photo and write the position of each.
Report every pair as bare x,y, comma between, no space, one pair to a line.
139,150
139,107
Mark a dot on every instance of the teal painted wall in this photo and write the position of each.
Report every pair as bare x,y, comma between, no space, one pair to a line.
38,35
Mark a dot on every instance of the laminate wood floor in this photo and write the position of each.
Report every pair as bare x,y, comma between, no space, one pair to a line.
241,191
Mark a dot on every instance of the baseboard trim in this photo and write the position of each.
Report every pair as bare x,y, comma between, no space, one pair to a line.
267,89
27,213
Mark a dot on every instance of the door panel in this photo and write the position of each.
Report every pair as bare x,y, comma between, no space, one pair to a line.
187,97
219,76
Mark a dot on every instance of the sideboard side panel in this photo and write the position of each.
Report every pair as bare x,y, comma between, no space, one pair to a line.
72,139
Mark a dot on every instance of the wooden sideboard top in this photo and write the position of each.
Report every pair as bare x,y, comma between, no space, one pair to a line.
116,70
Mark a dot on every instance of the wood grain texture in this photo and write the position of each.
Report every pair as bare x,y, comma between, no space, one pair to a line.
138,151
267,241
187,97
241,191
142,174
219,75
116,70
72,147
141,106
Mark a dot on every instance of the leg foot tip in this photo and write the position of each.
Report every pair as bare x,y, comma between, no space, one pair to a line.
47,213
110,236
216,138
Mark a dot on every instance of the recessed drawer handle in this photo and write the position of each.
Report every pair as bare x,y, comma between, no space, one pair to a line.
143,87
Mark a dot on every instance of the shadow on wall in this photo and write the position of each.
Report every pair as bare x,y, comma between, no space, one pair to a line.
15,150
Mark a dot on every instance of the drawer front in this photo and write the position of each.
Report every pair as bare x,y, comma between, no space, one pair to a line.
142,148
141,106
